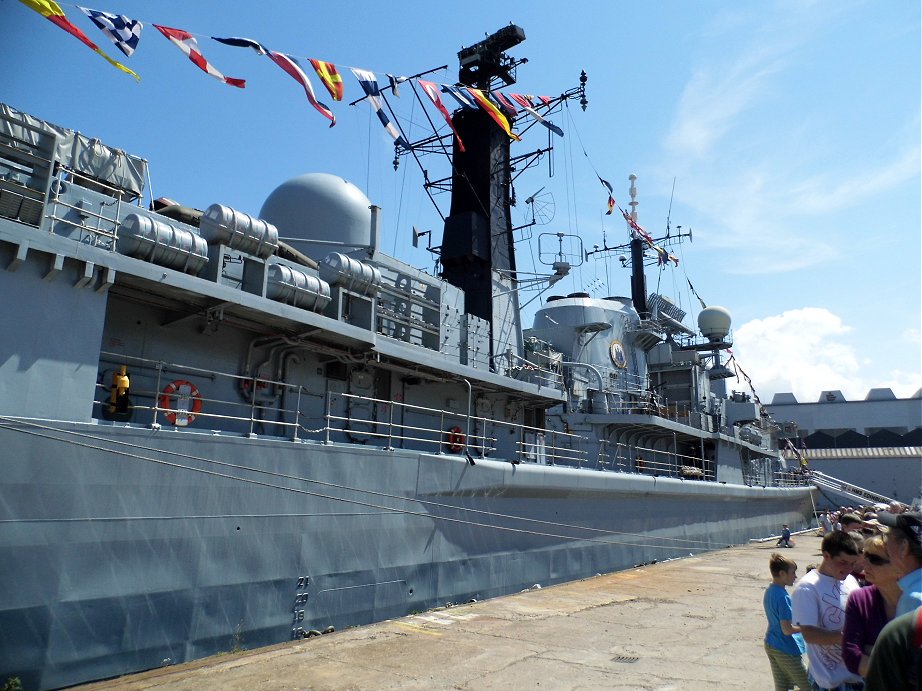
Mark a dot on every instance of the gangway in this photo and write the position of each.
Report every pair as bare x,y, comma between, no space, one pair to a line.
853,492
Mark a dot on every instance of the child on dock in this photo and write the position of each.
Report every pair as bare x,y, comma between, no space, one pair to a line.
783,643
785,539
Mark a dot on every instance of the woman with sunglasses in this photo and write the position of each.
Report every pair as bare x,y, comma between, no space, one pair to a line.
870,608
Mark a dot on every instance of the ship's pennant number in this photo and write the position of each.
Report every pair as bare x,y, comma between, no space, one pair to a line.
301,597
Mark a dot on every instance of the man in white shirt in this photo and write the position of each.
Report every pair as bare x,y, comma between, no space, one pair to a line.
819,610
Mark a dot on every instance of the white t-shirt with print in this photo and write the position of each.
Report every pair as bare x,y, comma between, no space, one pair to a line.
819,601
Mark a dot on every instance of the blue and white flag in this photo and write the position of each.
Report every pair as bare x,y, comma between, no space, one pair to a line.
462,98
121,30
243,43
395,81
369,84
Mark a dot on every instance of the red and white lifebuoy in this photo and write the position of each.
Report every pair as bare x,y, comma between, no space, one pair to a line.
455,439
181,402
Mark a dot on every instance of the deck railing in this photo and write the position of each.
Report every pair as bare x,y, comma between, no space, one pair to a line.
256,406
649,461
96,217
277,408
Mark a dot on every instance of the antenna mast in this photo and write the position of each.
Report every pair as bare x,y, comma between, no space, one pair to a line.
669,213
638,278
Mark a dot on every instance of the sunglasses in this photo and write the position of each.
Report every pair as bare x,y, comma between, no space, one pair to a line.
876,560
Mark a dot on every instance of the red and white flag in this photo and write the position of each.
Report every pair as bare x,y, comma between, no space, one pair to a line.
187,44
432,91
291,66
505,103
637,227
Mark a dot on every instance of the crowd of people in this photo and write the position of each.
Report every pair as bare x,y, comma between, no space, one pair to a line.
849,518
857,615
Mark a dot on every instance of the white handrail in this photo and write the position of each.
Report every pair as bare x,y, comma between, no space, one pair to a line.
824,481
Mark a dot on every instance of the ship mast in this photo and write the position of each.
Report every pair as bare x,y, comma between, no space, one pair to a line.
637,244
638,278
477,252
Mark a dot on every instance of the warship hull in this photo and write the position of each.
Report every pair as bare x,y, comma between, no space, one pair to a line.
128,549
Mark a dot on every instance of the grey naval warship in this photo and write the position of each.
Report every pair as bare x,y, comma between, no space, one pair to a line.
219,430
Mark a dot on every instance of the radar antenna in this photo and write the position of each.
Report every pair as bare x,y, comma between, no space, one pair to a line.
560,251
541,207
417,234
669,213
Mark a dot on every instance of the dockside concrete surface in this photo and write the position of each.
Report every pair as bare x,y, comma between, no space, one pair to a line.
694,623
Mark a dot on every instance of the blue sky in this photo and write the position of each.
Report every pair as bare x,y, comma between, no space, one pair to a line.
790,129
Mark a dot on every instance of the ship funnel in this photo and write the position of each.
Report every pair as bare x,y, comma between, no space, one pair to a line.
714,323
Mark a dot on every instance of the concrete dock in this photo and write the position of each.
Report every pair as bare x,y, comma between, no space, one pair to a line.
694,623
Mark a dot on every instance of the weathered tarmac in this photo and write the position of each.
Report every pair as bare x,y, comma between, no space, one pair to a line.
694,623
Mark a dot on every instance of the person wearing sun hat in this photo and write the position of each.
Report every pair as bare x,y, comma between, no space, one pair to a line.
904,547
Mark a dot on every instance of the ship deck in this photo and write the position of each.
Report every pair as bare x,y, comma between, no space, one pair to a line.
694,623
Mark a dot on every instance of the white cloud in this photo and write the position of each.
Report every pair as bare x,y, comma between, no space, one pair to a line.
913,336
783,225
755,48
712,100
802,351
828,193
769,183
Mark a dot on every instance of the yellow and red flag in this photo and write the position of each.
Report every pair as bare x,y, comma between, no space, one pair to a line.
611,200
492,111
51,11
330,77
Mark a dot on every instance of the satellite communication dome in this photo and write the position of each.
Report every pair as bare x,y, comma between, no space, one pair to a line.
324,207
714,323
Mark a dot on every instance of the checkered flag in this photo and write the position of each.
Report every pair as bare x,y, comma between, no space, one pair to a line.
124,32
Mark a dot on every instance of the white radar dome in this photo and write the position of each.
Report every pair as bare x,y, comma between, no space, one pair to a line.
320,207
714,323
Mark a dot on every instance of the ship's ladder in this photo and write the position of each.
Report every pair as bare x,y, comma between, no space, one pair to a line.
859,494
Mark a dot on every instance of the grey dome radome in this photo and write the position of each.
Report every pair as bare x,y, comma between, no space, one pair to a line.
320,207
714,323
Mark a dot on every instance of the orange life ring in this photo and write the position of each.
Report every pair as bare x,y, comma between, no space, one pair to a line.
455,439
188,402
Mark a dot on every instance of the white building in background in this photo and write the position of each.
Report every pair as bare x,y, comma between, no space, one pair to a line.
875,443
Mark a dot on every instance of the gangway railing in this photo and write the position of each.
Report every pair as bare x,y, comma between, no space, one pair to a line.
824,481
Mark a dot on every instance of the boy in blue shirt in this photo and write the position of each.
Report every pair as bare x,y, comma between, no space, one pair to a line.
783,643
785,540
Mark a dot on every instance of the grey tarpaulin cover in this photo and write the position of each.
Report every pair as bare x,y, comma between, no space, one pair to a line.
83,154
